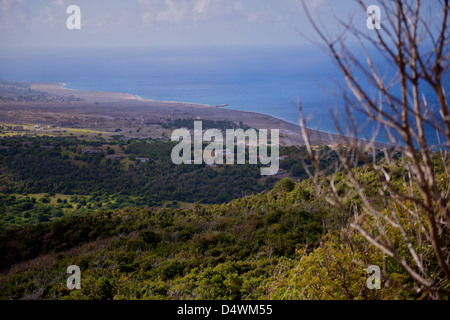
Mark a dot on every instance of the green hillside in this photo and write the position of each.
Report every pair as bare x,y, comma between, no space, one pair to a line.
283,243
264,246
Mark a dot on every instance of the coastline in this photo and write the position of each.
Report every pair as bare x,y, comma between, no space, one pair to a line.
59,89
62,85
110,110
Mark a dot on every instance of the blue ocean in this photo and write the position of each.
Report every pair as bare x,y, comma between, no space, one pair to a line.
265,79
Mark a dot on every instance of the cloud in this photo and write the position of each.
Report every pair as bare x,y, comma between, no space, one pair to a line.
237,6
59,3
175,11
165,20
312,5
7,5
178,11
149,10
12,15
263,15
48,14
316,4
182,11
252,16
201,6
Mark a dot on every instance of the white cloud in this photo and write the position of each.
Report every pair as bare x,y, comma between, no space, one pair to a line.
149,10
265,14
7,5
312,5
12,15
237,6
200,6
178,11
252,17
59,3
48,15
175,11
316,4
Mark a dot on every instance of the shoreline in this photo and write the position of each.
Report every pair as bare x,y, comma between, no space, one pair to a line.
139,98
131,96
111,110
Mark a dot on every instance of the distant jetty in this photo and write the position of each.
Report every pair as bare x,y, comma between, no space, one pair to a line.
222,105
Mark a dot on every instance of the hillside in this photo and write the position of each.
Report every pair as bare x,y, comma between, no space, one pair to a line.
122,222
262,246
218,252
47,177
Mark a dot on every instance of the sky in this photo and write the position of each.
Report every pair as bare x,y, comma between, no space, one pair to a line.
113,23
42,23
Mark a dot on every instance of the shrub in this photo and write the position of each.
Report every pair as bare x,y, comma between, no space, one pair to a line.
285,185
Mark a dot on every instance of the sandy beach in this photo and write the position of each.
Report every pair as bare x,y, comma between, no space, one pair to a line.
109,110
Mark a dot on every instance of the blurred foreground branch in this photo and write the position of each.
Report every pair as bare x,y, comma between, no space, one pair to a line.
409,222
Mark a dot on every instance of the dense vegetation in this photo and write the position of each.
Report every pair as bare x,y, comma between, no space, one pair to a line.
222,251
285,243
279,244
46,177
42,178
206,124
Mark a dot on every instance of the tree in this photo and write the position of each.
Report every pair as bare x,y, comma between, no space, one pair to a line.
410,224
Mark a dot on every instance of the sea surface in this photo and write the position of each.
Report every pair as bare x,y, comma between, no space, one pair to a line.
265,79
